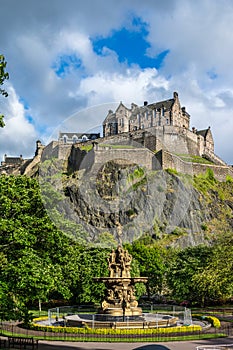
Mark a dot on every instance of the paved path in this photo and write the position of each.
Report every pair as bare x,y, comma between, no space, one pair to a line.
181,345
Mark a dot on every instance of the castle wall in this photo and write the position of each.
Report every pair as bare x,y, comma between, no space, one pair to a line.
213,157
64,151
171,138
50,151
167,160
55,149
140,156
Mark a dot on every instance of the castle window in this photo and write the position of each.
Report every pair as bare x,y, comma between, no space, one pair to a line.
65,139
74,139
84,138
167,121
162,111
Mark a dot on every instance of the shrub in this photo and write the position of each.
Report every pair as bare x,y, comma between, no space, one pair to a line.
171,171
214,321
109,331
229,179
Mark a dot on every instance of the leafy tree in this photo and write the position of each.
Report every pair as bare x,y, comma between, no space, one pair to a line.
3,76
183,268
215,282
92,263
151,265
34,255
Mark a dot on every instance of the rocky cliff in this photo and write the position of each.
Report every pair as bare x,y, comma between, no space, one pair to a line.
125,201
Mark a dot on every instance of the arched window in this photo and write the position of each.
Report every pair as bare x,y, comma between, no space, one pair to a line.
74,138
84,138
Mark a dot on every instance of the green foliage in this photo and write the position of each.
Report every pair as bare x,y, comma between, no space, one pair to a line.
178,231
181,270
86,148
150,264
205,182
105,240
109,145
194,159
37,261
138,173
171,171
229,179
137,178
109,331
210,175
211,319
3,76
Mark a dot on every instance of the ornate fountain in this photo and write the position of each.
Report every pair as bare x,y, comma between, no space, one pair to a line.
119,297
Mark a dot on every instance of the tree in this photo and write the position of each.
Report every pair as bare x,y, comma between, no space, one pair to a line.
3,76
34,254
151,265
183,268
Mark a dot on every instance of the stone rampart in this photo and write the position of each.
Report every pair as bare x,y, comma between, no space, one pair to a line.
141,156
56,149
169,138
213,157
50,151
167,160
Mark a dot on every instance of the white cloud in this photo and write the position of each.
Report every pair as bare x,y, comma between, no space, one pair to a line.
135,85
197,33
18,136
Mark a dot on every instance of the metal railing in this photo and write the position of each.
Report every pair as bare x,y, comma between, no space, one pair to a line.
8,329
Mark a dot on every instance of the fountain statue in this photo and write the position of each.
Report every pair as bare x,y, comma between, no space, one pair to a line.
120,297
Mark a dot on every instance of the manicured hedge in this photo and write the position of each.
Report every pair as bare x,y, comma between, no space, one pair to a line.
214,321
106,331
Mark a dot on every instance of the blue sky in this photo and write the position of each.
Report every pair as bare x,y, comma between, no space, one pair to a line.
130,45
67,57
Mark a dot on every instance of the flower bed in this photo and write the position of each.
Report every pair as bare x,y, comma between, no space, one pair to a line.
109,331
211,319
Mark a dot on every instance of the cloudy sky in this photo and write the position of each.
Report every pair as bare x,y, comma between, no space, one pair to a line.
65,57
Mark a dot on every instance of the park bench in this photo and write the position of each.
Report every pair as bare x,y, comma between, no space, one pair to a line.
2,343
22,343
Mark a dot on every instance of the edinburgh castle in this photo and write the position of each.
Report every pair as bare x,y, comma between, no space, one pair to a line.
155,136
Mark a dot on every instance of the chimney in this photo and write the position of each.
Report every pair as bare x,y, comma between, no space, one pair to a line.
145,103
175,95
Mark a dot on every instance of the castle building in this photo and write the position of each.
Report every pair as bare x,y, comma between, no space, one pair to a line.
74,137
167,121
168,112
156,136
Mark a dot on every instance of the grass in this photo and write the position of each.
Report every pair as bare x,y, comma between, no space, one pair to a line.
86,148
37,313
115,146
193,159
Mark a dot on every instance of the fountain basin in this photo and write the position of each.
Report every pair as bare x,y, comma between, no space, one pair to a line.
116,322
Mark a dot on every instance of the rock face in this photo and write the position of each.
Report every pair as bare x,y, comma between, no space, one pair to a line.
159,203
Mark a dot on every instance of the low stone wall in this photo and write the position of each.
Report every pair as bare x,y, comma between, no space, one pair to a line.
141,156
167,160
